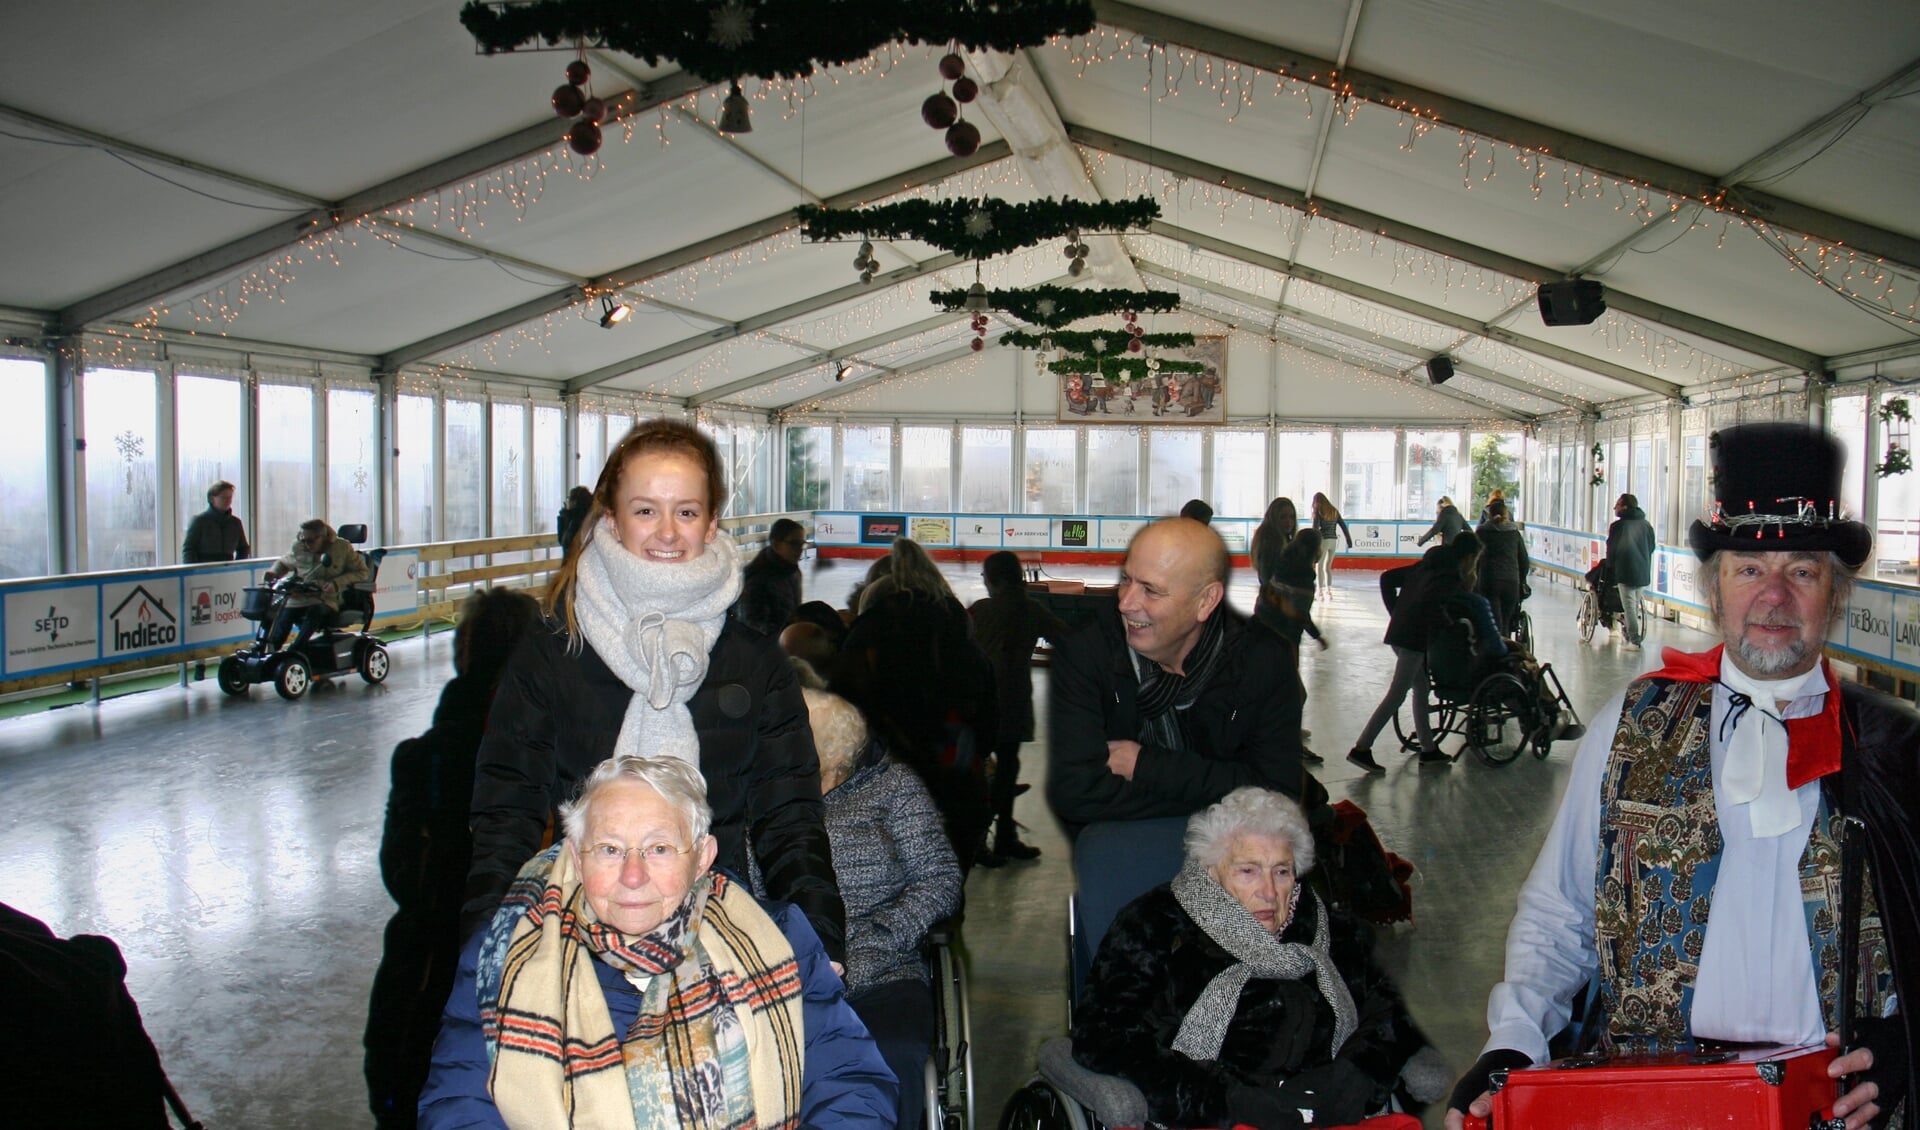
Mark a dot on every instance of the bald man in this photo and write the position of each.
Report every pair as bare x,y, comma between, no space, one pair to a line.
1173,700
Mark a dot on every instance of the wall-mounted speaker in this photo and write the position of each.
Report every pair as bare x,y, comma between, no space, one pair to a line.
1439,369
1576,302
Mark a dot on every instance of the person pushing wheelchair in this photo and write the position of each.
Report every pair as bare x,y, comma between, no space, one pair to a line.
326,565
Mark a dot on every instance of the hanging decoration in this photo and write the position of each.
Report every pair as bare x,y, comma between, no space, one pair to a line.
941,110
768,39
1599,467
575,99
1055,306
982,227
1081,341
1897,418
1121,369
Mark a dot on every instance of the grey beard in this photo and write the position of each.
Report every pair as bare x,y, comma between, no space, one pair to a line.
1764,664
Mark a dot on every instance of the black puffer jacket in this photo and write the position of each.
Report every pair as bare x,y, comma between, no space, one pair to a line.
1153,965
769,592
1007,626
1503,552
1244,729
556,716
1630,545
1414,595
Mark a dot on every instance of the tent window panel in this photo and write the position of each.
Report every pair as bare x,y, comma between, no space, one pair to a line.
207,428
1433,473
353,441
463,459
1367,479
24,527
1896,522
550,484
590,448
986,470
122,510
1240,473
1173,469
1113,471
286,466
1049,471
866,475
509,470
809,468
926,469
413,470
1306,469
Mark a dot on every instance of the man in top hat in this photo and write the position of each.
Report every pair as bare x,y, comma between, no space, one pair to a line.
1689,891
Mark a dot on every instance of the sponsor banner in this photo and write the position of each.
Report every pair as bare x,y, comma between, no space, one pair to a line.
1406,540
1115,533
1675,576
140,616
929,530
1075,533
1372,537
836,529
212,611
882,529
398,588
51,628
977,530
1869,627
1236,533
1906,629
1026,533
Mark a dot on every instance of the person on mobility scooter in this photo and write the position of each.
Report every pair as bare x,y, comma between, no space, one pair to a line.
322,584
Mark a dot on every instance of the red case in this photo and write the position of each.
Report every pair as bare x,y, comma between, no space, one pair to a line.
1778,1088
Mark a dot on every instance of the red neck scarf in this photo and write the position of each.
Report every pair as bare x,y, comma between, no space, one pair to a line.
1813,742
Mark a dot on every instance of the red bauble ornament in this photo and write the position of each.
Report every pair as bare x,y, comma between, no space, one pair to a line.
965,90
979,344
567,100
585,138
938,111
1133,346
1131,316
577,72
963,139
594,110
952,66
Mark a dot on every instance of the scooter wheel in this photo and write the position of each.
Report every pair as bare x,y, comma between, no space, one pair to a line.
374,663
293,677
232,677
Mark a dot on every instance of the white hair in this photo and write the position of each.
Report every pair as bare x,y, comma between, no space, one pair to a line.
677,782
1260,812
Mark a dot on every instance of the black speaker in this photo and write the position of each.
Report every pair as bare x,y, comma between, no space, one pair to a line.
1576,302
1439,369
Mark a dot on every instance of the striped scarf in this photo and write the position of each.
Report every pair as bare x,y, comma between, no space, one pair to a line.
718,1043
1163,693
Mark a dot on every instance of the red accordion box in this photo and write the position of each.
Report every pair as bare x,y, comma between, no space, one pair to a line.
1777,1088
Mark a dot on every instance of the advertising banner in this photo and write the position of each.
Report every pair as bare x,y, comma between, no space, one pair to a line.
1235,532
1371,537
1115,533
213,607
52,627
836,529
140,616
882,529
1075,533
930,530
398,588
981,530
1026,533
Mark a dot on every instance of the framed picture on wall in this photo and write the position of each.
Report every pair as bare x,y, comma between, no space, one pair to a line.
1185,386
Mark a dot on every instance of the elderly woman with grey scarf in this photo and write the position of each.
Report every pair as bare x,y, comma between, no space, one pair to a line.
1232,996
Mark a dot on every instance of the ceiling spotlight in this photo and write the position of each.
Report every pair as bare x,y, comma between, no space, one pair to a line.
612,313
840,372
734,114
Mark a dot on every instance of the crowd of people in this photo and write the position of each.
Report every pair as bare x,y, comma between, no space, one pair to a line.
674,841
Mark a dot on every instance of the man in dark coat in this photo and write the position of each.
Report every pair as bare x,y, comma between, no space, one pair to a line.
1504,564
216,533
1630,543
1172,701
1699,837
770,584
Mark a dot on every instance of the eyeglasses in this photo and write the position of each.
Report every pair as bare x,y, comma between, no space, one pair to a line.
652,856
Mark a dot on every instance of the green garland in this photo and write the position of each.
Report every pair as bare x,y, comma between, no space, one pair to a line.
1081,341
977,229
719,39
1124,369
1055,306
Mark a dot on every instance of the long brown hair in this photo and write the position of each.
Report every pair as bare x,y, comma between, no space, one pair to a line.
1323,508
649,437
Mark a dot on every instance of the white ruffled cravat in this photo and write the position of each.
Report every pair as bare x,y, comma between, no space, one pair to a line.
1755,770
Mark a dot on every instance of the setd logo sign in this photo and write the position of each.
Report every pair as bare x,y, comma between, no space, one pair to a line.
142,621
52,624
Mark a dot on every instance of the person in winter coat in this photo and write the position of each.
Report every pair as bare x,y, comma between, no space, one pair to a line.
321,558
216,533
1447,523
1414,595
1233,996
640,656
770,586
1286,590
1630,543
898,876
624,982
425,851
1504,564
1493,496
1007,624
1327,522
572,517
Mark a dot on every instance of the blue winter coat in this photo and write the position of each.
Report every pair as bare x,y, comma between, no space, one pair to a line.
846,1086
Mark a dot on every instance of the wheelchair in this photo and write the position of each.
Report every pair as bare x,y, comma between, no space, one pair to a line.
1599,602
342,647
949,1071
1498,707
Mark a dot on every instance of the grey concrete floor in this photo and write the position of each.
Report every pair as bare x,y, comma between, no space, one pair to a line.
229,846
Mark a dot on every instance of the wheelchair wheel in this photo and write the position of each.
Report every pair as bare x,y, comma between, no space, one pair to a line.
374,662
232,678
1589,617
292,678
1039,1106
1445,717
955,1041
1523,631
1501,720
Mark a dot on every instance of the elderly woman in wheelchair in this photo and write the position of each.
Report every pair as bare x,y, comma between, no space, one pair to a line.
1232,996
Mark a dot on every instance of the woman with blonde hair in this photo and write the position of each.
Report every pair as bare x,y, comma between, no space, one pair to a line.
642,656
1326,522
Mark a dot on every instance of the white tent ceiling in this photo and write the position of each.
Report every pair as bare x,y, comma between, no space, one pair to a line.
1365,183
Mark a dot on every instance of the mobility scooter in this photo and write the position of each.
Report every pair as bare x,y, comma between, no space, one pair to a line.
317,652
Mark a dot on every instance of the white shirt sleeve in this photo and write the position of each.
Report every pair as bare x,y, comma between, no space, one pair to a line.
1550,950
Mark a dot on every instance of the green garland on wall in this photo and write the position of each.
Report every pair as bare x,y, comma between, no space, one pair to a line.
1081,341
977,229
1124,368
1055,306
769,39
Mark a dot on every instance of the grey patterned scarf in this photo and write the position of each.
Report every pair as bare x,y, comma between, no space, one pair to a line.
1260,954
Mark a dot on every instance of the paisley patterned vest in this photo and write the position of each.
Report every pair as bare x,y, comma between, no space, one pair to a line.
1660,851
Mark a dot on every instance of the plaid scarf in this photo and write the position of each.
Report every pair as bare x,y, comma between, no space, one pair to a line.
718,1043
1163,693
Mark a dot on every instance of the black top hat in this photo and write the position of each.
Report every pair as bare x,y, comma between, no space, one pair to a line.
1776,487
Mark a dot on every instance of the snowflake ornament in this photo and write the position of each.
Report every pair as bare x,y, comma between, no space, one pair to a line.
978,223
1046,307
1099,345
732,26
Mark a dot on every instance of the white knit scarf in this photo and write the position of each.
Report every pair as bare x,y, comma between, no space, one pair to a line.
653,624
